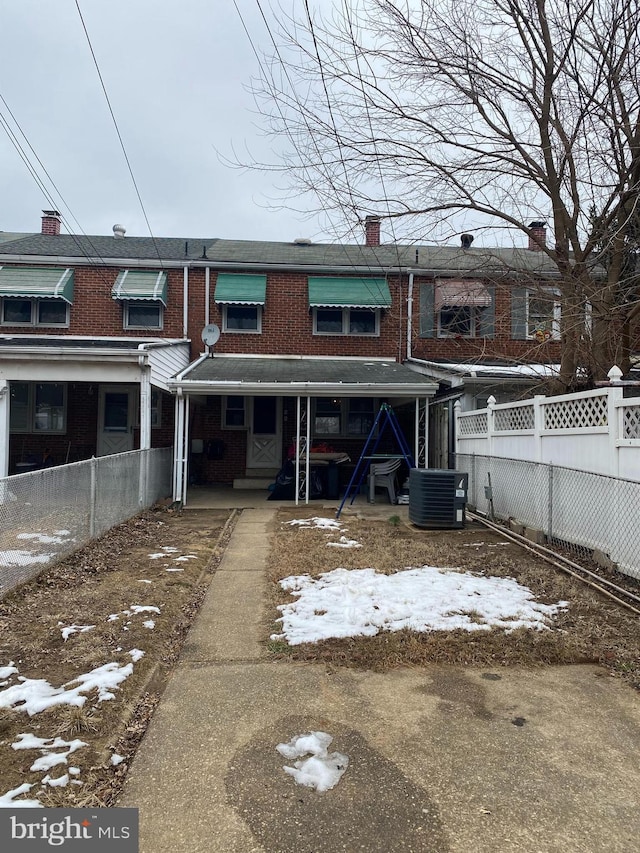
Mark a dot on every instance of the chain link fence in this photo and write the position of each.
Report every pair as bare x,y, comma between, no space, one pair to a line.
45,515
579,510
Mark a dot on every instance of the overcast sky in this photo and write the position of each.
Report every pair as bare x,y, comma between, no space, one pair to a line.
176,75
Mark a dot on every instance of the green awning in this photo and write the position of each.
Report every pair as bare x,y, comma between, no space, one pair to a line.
350,292
236,289
141,284
37,283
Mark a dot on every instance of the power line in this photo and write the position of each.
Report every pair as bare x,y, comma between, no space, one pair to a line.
115,124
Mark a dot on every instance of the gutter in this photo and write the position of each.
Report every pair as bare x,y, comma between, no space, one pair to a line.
302,389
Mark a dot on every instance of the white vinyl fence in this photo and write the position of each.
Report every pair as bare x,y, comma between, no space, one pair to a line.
47,514
597,431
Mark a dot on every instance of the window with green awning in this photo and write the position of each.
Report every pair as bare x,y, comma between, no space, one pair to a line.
239,289
141,284
37,283
352,292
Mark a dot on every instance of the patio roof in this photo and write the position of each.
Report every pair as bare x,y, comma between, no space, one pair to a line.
293,376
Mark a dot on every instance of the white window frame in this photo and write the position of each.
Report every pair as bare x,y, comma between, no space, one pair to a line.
225,323
127,324
225,407
554,333
32,413
35,304
346,322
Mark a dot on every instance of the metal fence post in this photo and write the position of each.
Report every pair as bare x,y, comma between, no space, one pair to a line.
550,506
93,490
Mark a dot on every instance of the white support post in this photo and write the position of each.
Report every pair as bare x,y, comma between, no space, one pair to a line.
185,452
416,433
457,408
308,454
614,421
297,472
5,413
178,445
425,436
491,402
538,426
145,408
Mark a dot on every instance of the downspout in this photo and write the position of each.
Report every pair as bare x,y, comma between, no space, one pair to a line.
409,315
185,302
5,407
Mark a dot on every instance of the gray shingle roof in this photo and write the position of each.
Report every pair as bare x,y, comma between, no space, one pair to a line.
451,260
316,371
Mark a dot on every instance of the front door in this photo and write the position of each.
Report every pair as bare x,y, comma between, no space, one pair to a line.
116,406
264,440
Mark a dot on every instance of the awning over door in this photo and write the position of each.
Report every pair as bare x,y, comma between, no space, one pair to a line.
461,293
37,282
237,289
325,292
141,284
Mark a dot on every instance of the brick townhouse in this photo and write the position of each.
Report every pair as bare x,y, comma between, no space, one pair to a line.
232,351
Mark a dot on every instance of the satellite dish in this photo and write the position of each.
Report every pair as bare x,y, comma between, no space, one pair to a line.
210,334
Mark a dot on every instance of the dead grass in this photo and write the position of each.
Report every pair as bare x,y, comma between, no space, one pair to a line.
104,579
593,629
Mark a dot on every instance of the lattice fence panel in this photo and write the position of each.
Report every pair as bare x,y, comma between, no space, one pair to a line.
511,420
576,414
475,424
631,422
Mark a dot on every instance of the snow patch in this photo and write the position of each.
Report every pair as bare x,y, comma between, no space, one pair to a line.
321,770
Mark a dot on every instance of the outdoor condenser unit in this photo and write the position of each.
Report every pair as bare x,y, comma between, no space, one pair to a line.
437,497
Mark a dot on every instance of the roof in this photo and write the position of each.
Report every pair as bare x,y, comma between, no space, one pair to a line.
445,260
299,375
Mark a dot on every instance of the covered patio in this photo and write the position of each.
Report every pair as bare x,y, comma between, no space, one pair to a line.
262,383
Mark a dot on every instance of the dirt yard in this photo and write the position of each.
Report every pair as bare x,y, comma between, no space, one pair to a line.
135,590
139,587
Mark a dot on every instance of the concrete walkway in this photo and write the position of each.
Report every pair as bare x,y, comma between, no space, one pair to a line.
441,759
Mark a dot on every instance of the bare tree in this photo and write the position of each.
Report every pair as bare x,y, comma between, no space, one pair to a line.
441,113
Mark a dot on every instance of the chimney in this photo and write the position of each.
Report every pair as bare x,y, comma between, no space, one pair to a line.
372,230
466,240
537,236
50,222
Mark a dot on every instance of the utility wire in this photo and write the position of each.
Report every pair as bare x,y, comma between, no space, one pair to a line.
115,124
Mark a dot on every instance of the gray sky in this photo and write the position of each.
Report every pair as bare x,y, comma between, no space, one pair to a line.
176,74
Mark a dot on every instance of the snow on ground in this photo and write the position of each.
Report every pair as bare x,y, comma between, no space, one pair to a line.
36,695
316,522
328,524
68,630
23,558
345,542
321,770
361,602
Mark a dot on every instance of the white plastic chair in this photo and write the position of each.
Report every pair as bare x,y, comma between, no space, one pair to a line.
383,475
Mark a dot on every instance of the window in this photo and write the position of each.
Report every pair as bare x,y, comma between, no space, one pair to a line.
34,312
142,315
242,318
535,314
38,407
461,308
344,416
346,321
233,413
543,316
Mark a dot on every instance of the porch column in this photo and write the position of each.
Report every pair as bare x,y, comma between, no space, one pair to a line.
178,448
145,408
4,427
421,433
185,452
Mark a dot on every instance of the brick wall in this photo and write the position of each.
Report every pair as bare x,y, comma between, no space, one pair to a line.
500,346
